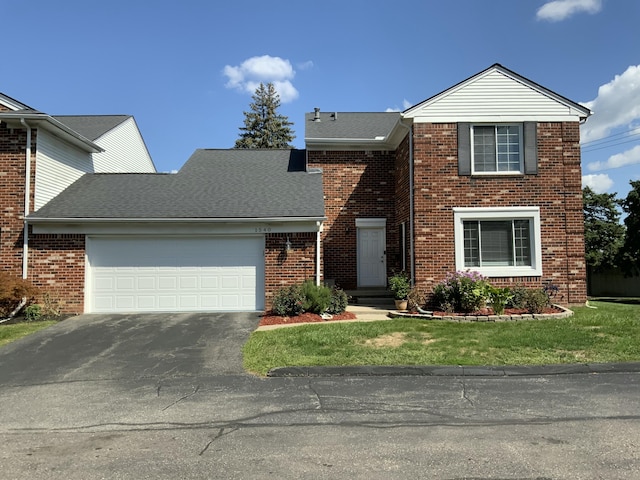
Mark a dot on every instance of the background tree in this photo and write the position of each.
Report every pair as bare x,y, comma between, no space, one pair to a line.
630,254
263,126
603,232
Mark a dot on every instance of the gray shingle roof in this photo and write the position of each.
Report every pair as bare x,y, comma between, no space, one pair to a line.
91,126
212,184
350,125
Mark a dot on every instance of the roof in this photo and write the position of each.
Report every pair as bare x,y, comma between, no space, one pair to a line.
353,130
91,126
213,184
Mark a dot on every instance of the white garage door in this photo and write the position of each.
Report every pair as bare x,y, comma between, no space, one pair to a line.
175,274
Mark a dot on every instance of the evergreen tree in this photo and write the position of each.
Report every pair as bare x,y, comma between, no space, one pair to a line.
263,126
603,232
630,257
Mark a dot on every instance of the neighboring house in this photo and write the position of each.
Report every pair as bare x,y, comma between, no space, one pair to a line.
55,151
483,176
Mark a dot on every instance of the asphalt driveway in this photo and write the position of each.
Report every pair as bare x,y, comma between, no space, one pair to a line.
134,346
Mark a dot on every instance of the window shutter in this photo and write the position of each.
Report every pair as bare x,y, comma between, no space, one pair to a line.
530,148
464,149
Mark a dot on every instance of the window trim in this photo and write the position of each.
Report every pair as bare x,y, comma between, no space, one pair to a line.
521,146
462,214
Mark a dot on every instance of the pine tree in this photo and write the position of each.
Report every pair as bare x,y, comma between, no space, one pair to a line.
263,126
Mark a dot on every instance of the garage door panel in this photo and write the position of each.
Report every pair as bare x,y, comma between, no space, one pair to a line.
168,274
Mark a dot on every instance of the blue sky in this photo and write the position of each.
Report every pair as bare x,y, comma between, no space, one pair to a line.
186,69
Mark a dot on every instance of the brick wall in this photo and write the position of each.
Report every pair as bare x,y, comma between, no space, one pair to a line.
556,189
288,268
57,266
12,190
356,185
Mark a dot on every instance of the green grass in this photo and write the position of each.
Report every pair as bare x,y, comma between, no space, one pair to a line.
12,332
610,333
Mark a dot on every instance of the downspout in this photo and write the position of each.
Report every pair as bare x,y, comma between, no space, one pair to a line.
412,262
27,202
318,234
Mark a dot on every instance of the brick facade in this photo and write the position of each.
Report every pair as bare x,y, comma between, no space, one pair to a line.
284,268
556,189
357,184
376,184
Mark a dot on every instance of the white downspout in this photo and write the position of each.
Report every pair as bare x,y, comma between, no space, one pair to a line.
411,206
27,202
318,234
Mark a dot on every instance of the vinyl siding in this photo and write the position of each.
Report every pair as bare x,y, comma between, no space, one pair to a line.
125,151
58,165
492,96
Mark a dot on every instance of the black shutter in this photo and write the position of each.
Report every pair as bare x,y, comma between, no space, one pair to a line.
464,149
530,142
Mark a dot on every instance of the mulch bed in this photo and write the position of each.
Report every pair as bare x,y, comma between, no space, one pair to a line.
270,319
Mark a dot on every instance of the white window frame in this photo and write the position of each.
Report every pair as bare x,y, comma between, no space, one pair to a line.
532,214
520,170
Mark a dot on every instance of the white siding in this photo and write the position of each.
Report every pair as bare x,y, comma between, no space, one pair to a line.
125,151
58,165
493,97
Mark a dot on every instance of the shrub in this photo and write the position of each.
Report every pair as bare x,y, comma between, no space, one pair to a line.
33,313
536,300
315,298
339,301
288,301
461,292
498,297
518,297
12,291
400,285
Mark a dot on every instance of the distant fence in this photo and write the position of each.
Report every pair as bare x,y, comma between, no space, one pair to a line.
612,283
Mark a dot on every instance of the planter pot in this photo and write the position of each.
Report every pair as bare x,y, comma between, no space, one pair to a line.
401,304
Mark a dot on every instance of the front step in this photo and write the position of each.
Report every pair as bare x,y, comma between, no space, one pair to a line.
377,297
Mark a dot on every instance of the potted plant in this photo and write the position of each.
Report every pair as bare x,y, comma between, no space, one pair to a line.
400,286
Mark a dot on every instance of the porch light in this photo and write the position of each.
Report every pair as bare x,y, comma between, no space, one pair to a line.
287,245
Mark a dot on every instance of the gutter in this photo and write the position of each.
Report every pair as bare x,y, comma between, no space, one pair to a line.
45,220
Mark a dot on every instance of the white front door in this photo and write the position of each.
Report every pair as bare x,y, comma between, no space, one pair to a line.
372,261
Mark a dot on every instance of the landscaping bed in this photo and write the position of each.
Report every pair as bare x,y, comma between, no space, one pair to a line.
487,315
307,317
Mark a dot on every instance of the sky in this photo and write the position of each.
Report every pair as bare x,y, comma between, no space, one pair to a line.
186,70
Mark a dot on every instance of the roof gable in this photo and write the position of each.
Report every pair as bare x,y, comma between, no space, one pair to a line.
497,94
12,104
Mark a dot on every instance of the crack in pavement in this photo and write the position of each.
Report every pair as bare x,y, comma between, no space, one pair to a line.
195,390
221,433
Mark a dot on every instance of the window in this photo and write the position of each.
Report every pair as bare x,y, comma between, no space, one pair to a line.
498,242
497,149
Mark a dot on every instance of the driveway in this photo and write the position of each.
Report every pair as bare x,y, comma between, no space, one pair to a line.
100,347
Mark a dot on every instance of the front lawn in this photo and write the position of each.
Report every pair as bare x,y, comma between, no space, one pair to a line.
610,333
14,331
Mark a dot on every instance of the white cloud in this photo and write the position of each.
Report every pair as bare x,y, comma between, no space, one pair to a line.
616,105
629,157
405,104
249,74
305,65
558,10
599,183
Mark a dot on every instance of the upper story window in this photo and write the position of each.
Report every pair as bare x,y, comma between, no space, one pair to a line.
497,149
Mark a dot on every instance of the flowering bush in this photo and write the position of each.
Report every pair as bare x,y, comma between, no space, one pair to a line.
461,291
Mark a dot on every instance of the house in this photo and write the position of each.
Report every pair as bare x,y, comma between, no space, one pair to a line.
483,176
